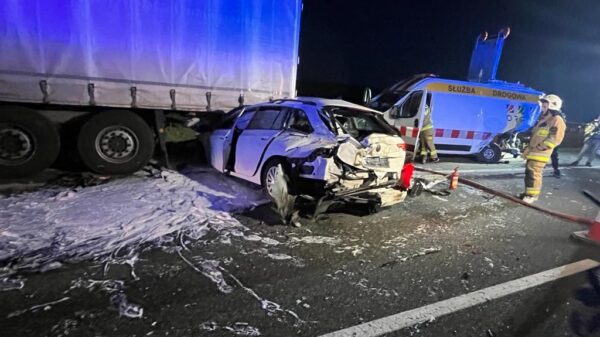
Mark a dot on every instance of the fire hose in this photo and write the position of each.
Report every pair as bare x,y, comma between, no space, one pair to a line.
563,216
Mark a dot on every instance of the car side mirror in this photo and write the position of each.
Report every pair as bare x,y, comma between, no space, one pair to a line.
395,112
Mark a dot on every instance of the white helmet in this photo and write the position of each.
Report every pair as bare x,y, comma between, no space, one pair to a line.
554,102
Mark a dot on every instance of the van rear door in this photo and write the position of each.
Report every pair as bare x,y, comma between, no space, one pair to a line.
406,115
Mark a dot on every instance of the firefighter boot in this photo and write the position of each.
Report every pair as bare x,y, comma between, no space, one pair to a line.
528,198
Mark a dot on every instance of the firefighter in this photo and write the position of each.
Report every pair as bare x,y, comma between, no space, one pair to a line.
426,138
591,142
547,134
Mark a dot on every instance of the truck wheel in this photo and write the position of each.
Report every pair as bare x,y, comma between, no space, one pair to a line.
115,142
29,142
490,154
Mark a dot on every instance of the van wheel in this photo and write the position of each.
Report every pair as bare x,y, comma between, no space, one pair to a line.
29,142
115,142
490,154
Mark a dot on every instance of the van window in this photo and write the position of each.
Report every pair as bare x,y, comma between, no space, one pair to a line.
409,108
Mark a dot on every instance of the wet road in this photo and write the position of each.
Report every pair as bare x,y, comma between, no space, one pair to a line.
339,272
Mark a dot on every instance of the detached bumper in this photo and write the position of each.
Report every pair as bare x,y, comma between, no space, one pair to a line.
386,194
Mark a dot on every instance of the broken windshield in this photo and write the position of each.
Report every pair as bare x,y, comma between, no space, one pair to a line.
357,123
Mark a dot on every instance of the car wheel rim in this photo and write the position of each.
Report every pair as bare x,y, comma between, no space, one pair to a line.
117,144
488,153
271,178
16,145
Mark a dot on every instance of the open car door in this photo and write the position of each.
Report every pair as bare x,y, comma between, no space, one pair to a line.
407,116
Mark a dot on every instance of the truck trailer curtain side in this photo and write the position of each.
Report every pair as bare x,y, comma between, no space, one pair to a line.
148,54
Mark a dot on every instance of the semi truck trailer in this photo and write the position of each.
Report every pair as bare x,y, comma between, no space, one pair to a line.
104,77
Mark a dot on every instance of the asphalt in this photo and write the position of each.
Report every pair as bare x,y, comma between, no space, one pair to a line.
345,269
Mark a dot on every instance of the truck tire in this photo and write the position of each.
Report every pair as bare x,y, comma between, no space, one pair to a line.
490,154
29,142
115,142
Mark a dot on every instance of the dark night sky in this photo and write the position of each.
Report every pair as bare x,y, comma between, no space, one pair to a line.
554,45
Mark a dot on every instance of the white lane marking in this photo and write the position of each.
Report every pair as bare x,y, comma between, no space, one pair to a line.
426,313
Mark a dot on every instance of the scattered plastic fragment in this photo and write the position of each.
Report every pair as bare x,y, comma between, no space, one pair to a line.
126,308
209,268
209,326
116,290
422,252
50,266
238,328
7,283
272,308
243,329
44,306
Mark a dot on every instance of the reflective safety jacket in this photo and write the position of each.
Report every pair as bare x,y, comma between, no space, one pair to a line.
591,130
427,123
547,134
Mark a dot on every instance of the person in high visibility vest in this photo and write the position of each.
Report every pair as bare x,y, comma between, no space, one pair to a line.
547,134
591,142
426,138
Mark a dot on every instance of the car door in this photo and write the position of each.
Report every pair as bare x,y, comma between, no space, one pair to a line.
265,125
222,139
406,115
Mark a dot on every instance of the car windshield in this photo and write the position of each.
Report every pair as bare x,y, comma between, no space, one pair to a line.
357,123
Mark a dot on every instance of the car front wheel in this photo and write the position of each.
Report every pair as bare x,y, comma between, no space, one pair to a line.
274,178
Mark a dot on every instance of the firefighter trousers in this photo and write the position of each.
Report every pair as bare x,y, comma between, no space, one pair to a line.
589,150
533,177
426,143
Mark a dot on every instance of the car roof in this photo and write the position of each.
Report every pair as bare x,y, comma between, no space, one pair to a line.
337,102
320,103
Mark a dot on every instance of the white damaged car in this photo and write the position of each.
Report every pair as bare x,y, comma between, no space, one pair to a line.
327,149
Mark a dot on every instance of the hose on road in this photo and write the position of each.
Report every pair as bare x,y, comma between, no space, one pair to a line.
563,216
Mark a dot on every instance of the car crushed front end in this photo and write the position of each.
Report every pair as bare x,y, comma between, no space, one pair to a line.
353,166
353,171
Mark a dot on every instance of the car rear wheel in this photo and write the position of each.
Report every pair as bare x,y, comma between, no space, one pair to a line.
115,142
490,154
29,142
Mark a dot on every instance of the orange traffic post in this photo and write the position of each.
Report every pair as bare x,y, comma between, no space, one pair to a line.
592,235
